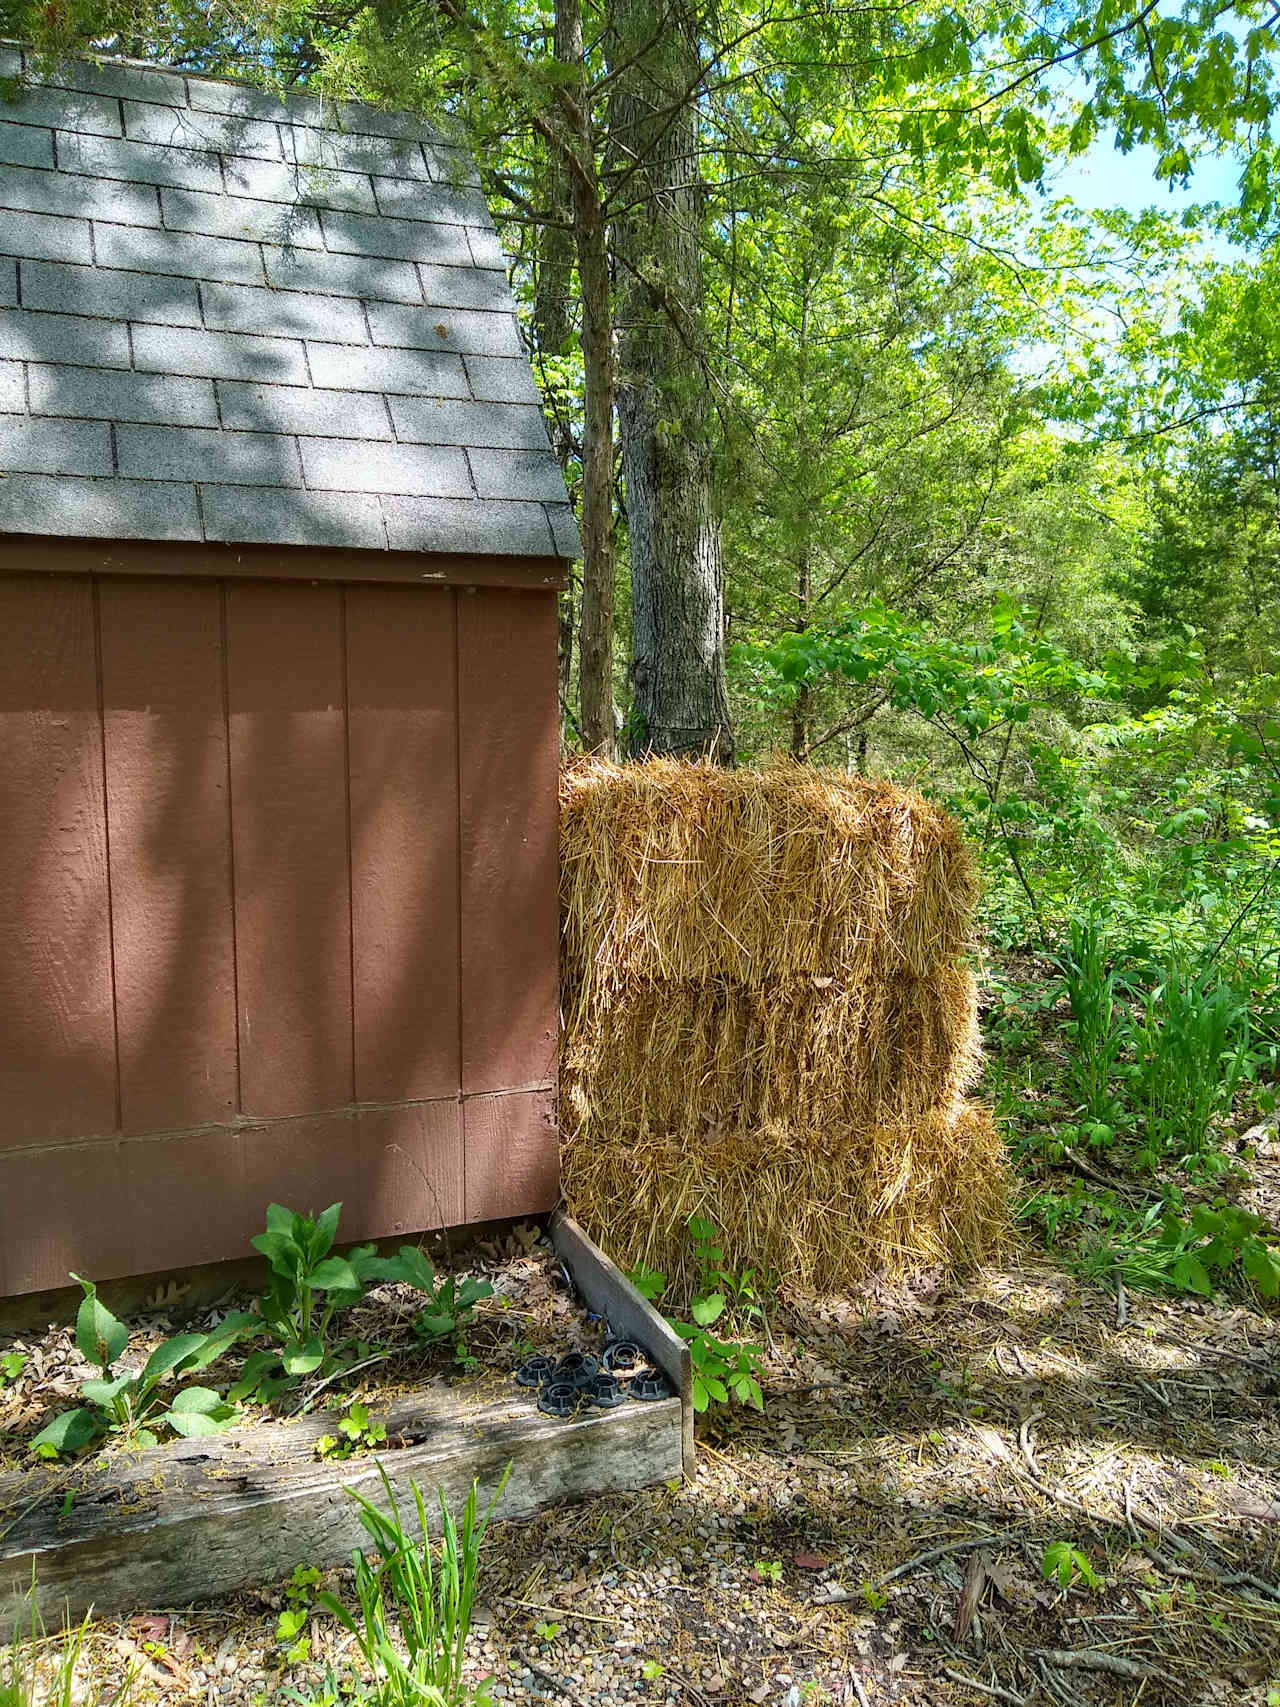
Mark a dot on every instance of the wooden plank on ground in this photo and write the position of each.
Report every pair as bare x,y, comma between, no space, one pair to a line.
608,1291
200,1518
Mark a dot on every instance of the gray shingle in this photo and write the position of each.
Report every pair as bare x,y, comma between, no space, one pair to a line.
494,379
109,509
217,133
218,355
88,198
459,524
432,421
97,394
139,250
222,306
13,390
517,474
240,217
286,313
358,118
243,101
136,163
49,238
137,82
486,251
303,409
412,200
410,373
62,338
92,115
343,465
28,446
263,180
342,275
456,329
465,287
402,239
57,287
564,530
24,144
355,153
203,454
254,515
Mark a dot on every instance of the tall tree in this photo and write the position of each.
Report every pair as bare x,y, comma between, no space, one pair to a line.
680,701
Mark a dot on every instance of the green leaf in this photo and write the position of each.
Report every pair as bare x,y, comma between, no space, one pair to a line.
1263,1268
67,1432
105,1393
326,1231
167,1357
336,1275
202,1400
100,1336
304,1359
705,1311
192,1424
1190,1274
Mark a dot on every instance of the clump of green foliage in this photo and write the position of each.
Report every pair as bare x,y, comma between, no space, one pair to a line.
310,1285
22,1685
405,1590
138,1403
723,1370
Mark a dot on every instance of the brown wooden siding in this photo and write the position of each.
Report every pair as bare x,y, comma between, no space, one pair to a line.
277,910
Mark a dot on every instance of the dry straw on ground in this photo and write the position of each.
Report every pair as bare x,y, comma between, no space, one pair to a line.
770,1019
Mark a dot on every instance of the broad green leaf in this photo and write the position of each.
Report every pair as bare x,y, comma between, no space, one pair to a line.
67,1432
336,1274
706,1311
100,1336
303,1360
105,1392
166,1357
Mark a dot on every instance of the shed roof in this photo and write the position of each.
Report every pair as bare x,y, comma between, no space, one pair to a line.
225,317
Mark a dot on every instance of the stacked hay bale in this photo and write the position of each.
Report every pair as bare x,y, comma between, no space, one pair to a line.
770,1020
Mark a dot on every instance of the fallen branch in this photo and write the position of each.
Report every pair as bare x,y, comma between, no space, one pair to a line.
835,1596
992,1689
1089,1659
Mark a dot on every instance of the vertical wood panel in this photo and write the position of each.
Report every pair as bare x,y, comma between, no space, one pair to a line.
57,1031
513,1154
509,756
167,807
286,696
404,841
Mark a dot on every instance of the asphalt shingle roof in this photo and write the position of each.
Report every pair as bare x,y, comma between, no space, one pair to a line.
225,317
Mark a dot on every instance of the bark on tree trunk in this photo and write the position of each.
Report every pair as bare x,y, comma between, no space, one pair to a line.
665,420
553,325
595,639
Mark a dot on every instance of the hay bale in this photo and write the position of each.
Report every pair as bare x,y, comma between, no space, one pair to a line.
818,1209
771,1019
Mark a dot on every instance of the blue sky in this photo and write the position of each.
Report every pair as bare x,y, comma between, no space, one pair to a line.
1106,178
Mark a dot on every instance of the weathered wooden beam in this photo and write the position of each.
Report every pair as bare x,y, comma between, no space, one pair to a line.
199,1518
608,1291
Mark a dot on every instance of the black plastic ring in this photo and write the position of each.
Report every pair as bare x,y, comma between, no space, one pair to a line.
560,1399
623,1356
536,1372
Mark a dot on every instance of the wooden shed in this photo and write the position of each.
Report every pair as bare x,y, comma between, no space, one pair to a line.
280,538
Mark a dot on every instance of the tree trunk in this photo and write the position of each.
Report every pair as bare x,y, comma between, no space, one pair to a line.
595,641
552,329
586,202
665,419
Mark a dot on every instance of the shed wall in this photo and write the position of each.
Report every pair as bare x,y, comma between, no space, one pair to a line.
277,911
